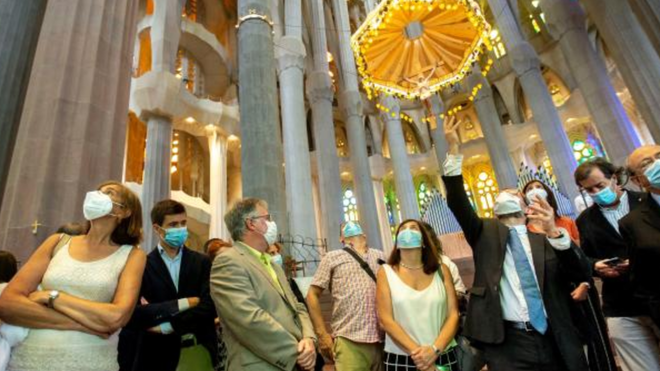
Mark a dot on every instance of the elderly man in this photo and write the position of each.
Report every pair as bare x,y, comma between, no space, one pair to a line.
265,327
641,229
519,309
356,342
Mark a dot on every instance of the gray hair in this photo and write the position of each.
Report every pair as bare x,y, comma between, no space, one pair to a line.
236,216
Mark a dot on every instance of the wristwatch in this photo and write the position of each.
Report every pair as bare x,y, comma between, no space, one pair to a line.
54,294
437,351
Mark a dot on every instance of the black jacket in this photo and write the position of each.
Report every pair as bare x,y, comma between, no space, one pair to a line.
144,351
600,240
641,230
488,238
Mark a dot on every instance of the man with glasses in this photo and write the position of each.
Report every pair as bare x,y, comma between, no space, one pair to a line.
266,328
603,242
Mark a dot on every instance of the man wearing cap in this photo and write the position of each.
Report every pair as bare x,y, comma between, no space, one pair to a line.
356,342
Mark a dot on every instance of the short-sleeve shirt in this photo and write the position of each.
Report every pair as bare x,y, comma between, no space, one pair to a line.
354,315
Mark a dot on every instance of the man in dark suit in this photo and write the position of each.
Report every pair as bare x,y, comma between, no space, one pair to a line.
519,304
601,239
176,311
641,230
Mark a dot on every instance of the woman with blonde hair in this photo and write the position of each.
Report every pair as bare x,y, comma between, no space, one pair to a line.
74,293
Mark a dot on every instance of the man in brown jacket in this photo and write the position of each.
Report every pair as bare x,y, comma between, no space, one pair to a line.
265,327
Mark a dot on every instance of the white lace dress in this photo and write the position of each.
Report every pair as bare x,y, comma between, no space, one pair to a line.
56,350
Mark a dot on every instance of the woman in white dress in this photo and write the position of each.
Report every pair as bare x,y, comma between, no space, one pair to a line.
417,304
74,293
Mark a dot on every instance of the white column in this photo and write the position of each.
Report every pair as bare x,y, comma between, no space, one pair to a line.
526,65
378,173
218,199
290,57
156,183
320,96
350,102
633,53
491,125
567,23
405,188
438,134
165,34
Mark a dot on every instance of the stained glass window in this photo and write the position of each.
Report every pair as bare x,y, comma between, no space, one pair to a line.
350,206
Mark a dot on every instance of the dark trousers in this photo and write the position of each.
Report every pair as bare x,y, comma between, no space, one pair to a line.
524,351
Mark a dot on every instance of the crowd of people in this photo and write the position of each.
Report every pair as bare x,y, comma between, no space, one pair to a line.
90,299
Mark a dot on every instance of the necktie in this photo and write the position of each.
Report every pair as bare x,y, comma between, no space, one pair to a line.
265,260
530,289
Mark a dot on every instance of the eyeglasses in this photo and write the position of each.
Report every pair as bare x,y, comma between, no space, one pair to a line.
266,216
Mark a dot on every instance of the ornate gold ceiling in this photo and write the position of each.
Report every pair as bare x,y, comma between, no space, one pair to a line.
413,48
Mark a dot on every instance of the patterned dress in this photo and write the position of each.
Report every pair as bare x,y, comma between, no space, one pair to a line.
57,350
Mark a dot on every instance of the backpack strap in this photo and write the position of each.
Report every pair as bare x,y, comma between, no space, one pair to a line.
64,240
360,261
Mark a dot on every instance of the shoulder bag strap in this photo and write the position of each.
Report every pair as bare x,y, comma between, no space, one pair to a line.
362,263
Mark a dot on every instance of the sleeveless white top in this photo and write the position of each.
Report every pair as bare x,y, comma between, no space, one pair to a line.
57,350
420,313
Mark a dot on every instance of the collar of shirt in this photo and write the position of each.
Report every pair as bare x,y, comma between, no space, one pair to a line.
165,255
262,256
520,229
623,202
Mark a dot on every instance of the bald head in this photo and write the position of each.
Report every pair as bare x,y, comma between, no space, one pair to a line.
640,160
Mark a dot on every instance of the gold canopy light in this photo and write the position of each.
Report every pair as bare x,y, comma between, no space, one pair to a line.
414,48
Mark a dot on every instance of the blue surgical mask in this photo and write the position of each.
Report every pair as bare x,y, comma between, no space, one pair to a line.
176,237
277,259
409,239
653,174
604,197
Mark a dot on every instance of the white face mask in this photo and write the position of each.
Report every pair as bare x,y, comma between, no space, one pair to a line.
271,232
97,205
277,259
506,203
535,193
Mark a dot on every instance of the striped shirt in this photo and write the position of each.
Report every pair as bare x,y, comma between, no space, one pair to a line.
614,214
353,292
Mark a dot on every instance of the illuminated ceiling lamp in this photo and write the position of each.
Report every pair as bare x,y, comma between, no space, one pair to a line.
414,48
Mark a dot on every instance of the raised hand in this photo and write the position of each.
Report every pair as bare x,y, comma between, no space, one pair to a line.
541,211
450,126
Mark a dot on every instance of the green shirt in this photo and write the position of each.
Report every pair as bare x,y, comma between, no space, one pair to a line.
264,259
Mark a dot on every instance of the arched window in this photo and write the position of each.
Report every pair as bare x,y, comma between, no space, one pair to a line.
350,205
482,187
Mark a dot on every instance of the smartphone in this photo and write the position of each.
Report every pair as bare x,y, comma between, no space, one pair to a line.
613,262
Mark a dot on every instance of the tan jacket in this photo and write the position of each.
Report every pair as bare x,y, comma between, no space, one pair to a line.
261,326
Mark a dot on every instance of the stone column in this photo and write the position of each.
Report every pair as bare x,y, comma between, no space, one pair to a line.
320,96
378,173
405,188
165,34
262,160
633,53
648,13
20,23
567,23
526,65
350,101
491,126
291,59
218,196
73,126
157,176
438,134
156,185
